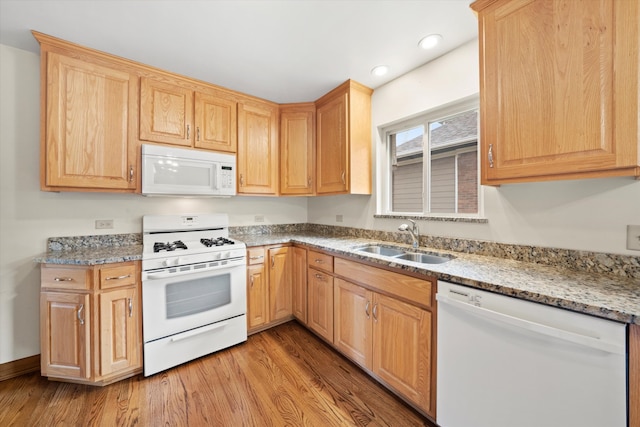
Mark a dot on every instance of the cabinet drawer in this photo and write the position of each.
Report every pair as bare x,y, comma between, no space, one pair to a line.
320,261
120,275
255,256
67,277
411,289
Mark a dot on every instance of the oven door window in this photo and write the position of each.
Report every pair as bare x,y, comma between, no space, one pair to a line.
197,295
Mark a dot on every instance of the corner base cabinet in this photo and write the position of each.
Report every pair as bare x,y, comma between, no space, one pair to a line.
90,323
558,89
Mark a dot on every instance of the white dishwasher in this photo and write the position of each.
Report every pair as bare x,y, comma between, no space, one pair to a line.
505,362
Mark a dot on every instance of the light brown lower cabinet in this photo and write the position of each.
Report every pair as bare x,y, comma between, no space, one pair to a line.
320,303
388,337
90,322
269,299
299,283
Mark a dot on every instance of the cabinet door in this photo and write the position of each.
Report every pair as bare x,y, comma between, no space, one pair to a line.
257,297
257,149
299,284
166,113
119,317
331,151
320,303
297,136
89,109
216,123
352,322
279,283
64,335
551,89
402,348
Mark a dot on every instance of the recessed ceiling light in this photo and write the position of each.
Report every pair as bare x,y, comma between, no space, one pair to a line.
430,41
380,70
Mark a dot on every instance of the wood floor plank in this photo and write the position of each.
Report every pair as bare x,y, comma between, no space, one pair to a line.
284,376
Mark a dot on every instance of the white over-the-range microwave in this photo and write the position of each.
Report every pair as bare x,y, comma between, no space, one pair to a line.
169,171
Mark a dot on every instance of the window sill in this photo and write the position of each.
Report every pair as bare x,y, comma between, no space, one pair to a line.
476,220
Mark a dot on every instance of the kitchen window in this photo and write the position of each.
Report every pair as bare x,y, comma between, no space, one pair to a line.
431,163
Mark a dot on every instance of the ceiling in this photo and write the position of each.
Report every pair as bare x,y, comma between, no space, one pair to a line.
280,50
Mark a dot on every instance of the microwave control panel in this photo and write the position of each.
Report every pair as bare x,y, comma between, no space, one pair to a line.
227,176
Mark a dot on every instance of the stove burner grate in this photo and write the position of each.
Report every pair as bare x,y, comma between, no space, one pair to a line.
158,246
216,242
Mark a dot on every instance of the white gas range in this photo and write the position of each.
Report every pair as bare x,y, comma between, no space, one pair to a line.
193,288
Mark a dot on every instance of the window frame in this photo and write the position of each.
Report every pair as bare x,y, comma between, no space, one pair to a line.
385,183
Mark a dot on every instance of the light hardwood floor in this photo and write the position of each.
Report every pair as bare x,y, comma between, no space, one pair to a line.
284,376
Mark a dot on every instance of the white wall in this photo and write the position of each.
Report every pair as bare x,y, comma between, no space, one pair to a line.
29,216
587,215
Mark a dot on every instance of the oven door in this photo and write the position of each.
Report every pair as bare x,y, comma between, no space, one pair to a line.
175,301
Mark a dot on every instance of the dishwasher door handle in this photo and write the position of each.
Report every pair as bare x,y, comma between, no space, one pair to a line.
584,340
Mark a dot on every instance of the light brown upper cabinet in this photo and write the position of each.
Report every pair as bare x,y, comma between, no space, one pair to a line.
297,144
343,138
558,89
257,148
88,122
175,113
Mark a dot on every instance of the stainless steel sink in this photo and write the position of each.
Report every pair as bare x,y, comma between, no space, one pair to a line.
381,250
423,258
404,254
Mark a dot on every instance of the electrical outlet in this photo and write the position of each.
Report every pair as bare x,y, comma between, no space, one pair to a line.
104,223
259,218
633,237
338,218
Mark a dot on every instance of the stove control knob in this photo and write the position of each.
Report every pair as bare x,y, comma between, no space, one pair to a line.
165,263
218,255
227,254
178,261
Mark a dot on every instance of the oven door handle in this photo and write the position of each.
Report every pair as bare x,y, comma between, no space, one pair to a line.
164,274
199,331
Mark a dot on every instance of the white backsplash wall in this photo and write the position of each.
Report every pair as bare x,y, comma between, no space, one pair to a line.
590,215
29,216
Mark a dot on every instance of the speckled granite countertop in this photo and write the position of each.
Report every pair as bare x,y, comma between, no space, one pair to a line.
607,296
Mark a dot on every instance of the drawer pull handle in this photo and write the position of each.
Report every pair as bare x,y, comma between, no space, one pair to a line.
63,279
80,317
366,308
252,281
256,257
320,277
126,276
130,173
130,307
375,312
188,132
319,261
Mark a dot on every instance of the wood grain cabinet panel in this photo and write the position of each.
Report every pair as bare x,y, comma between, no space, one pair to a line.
257,148
257,297
297,148
353,328
320,303
280,283
89,109
65,330
343,140
166,112
215,123
119,317
559,89
299,284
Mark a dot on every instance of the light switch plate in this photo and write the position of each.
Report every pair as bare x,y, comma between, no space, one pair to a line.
258,218
633,237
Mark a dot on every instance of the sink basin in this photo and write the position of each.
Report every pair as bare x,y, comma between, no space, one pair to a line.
381,250
423,258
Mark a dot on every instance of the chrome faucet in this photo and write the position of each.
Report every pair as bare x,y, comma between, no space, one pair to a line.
414,231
